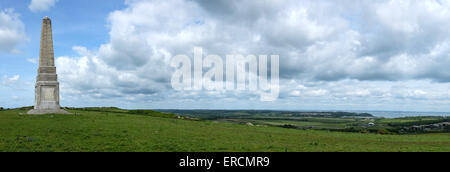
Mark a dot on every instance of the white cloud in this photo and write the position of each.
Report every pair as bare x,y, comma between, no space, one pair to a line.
41,5
12,31
89,75
32,60
295,93
333,50
9,81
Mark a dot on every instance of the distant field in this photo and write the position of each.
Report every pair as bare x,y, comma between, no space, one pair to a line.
330,121
97,130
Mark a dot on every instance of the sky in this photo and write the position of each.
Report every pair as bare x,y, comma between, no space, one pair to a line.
387,55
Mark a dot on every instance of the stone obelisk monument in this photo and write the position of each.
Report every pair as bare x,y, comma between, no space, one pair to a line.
47,85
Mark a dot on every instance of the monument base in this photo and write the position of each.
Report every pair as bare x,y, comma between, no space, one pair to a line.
47,111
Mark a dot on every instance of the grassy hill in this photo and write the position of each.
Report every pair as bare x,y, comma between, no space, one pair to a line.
92,129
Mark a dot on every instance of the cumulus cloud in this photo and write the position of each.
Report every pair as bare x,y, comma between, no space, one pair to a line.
91,76
342,50
41,5
12,31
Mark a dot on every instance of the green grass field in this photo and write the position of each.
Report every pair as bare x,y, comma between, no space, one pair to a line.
98,131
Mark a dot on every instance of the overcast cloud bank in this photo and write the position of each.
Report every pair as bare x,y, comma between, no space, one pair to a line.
364,53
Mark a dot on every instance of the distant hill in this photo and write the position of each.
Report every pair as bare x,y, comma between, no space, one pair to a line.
215,114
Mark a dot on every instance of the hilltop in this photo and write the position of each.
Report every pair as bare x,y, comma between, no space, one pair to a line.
113,129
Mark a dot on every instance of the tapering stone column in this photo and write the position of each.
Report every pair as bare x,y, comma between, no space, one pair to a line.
47,85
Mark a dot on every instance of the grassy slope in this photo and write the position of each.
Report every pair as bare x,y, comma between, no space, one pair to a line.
101,131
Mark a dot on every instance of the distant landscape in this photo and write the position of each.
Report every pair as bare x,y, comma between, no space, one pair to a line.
114,129
331,121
